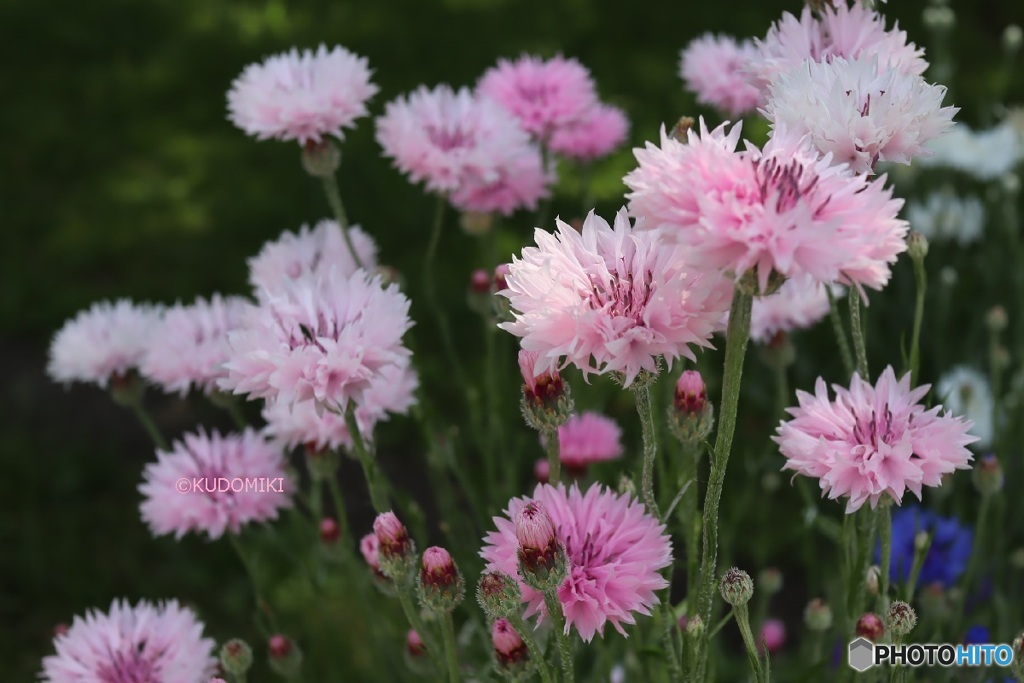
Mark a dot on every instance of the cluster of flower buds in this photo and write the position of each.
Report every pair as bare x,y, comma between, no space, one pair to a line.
543,563
499,595
547,402
441,587
691,416
396,552
736,587
236,657
285,656
512,660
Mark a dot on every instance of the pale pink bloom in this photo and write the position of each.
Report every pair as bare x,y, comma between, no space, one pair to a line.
543,95
784,208
587,438
858,112
369,546
107,341
315,251
463,146
873,441
190,346
800,303
772,636
161,643
610,299
214,484
300,424
597,133
846,31
304,97
324,338
715,68
616,552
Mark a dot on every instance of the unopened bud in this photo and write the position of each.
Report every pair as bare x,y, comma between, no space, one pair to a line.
695,626
414,644
779,351
917,245
1010,183
901,619
542,560
996,319
691,415
542,470
871,579
736,587
284,655
59,630
329,531
680,131
769,580
441,586
395,550
476,223
772,636
480,282
922,539
127,389
988,475
389,275
870,626
501,277
1018,657
818,615
1012,38
498,595
939,18
236,657
935,601
534,528
1017,558
627,486
321,159
509,648
770,482
547,402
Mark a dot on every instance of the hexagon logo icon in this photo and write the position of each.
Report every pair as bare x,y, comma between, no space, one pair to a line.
861,654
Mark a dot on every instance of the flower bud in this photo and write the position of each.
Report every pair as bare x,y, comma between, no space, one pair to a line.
236,657
870,626
329,531
996,319
680,131
818,615
1013,36
441,587
542,560
627,486
695,626
476,223
917,245
772,636
900,619
60,629
778,352
501,277
736,587
770,580
509,648
546,402
1018,657
414,644
127,389
395,550
1017,558
480,282
935,601
285,656
871,579
922,539
321,159
988,475
542,470
770,482
939,18
498,595
691,415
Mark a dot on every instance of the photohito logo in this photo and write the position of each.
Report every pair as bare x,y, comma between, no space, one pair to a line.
863,654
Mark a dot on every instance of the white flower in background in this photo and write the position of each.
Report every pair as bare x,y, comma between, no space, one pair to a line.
944,216
966,393
985,155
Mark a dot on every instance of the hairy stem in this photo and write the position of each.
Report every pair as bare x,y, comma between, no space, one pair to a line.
448,633
554,606
642,392
840,332
857,330
526,633
334,199
378,491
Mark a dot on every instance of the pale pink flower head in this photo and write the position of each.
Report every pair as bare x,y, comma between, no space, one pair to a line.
784,208
799,303
214,484
615,548
848,31
543,95
369,546
325,338
300,424
304,97
534,528
190,346
587,438
772,636
596,134
873,441
108,341
858,111
161,643
610,299
315,251
715,68
465,147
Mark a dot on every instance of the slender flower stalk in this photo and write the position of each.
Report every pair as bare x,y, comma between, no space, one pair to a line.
840,331
553,446
743,621
378,487
334,199
918,249
536,656
735,351
554,606
448,634
149,425
885,529
857,330
972,565
340,512
642,392
262,606
920,553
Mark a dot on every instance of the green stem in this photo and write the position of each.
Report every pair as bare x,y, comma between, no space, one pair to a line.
921,276
334,199
553,447
448,633
743,621
150,426
340,512
840,332
262,605
885,528
554,606
972,564
691,523
642,392
416,622
526,633
857,330
735,350
671,627
915,572
378,492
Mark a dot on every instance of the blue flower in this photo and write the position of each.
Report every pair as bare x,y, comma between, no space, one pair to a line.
977,635
947,556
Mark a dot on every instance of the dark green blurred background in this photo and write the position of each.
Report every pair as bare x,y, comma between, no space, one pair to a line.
120,176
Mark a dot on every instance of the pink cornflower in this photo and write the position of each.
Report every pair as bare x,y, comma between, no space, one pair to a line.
161,643
214,484
105,342
304,97
616,551
543,95
309,251
800,303
465,147
858,111
873,440
847,31
323,338
715,68
190,346
597,133
609,299
392,392
588,438
784,208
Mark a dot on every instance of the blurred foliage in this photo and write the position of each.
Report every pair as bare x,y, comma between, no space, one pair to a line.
122,177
